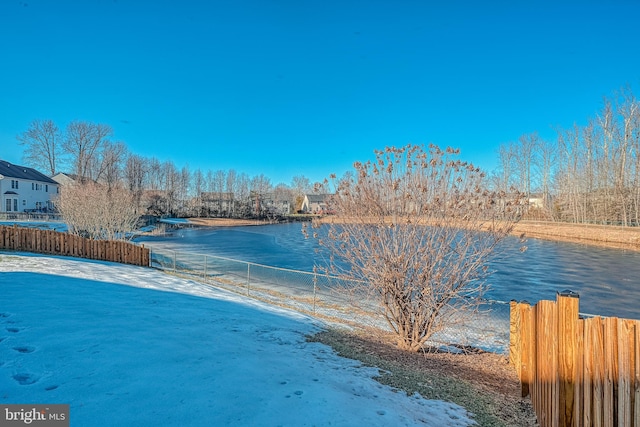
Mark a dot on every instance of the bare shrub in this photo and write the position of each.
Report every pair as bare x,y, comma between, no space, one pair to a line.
415,230
92,210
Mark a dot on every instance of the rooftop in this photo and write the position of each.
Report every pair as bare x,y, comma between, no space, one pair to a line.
22,172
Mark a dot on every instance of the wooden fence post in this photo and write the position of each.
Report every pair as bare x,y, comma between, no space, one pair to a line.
567,305
515,326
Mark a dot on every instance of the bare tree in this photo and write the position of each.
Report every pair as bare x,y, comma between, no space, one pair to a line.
507,156
547,158
171,187
82,143
627,136
42,145
282,199
413,231
92,210
184,190
525,160
111,163
156,174
242,195
135,174
231,188
260,186
198,189
219,181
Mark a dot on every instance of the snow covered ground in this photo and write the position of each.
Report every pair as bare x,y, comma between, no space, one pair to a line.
128,345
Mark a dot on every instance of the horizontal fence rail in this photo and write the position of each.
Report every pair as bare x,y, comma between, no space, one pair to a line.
320,295
29,216
56,243
578,371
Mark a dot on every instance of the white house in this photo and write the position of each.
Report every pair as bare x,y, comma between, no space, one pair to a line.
315,203
25,189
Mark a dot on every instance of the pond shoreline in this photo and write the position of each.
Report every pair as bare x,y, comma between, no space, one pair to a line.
608,236
615,237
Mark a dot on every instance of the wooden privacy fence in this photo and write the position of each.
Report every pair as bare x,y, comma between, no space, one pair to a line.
578,371
57,243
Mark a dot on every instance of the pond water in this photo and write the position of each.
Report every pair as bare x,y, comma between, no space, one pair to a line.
607,280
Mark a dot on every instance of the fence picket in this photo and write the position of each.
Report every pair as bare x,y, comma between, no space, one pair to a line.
625,339
610,370
578,372
528,339
567,308
587,395
515,344
636,375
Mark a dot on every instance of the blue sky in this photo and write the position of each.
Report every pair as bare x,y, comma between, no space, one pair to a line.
289,88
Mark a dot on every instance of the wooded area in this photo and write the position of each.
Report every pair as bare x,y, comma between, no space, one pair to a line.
578,372
56,243
589,174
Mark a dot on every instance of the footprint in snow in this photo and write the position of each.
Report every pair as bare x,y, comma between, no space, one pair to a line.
297,393
25,378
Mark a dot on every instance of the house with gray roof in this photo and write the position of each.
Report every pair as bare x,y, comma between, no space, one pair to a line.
65,178
24,189
315,203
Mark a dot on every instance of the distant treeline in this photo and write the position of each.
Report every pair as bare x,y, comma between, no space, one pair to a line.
588,174
86,152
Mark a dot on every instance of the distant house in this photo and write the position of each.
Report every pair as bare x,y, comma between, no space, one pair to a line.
218,203
536,200
315,203
271,204
541,201
64,178
25,189
70,178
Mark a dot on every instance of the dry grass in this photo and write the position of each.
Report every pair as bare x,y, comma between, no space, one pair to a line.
595,235
588,234
483,383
